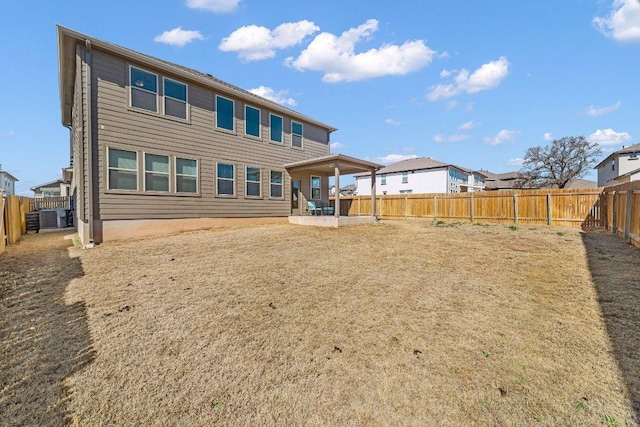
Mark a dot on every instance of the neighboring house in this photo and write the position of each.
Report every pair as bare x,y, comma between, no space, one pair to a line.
55,188
7,182
421,175
502,181
159,148
620,167
347,190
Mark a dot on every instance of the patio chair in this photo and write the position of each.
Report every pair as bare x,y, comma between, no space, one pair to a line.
313,209
327,209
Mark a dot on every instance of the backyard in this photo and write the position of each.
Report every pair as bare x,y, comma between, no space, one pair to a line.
401,323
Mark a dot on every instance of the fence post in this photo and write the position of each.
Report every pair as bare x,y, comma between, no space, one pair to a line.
435,208
515,208
405,206
380,204
471,207
359,205
627,217
549,217
614,220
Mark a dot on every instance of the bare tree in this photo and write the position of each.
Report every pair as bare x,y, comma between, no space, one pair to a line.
555,165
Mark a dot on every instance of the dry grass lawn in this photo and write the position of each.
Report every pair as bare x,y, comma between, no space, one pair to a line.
404,323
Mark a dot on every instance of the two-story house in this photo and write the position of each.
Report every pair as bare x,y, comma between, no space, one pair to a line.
159,148
421,175
7,182
620,167
55,188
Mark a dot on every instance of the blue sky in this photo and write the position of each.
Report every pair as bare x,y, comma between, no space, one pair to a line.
462,81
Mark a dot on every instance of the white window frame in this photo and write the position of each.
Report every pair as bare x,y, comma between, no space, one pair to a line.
312,187
281,142
109,169
176,175
383,179
281,184
164,96
246,182
233,114
405,177
301,147
144,169
259,136
132,87
233,180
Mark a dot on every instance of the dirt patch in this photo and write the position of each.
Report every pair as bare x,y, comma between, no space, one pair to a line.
42,339
404,323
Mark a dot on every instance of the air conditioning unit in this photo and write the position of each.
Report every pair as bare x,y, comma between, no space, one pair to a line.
53,218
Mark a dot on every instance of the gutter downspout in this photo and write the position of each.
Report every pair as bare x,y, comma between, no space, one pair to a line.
89,130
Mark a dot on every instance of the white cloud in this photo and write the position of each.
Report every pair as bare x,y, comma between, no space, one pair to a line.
452,138
392,122
470,106
547,136
277,96
335,56
609,137
515,162
216,6
469,125
393,158
445,73
254,43
599,111
451,105
486,77
178,37
503,136
336,145
623,24
9,133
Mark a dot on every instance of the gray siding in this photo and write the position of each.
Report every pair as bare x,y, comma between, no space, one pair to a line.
80,176
118,126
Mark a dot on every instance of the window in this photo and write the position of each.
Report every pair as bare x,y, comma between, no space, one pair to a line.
226,179
156,172
186,175
383,179
144,89
275,189
275,123
613,165
254,182
405,177
633,156
175,98
315,187
224,113
251,121
296,134
123,170
406,191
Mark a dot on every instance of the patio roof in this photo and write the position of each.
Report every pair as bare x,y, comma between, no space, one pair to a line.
327,165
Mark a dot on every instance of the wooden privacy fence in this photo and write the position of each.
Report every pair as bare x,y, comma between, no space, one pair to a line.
578,207
14,224
622,215
61,202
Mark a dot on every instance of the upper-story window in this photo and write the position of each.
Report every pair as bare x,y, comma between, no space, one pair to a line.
405,177
275,124
251,121
633,156
383,179
144,89
613,165
296,134
224,113
175,98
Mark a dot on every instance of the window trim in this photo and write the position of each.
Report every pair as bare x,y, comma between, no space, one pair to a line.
248,135
312,187
132,87
281,142
109,168
175,175
164,96
281,184
301,147
246,183
234,195
144,170
233,114
383,179
405,177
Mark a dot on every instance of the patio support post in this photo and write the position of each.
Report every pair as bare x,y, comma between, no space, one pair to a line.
336,210
373,193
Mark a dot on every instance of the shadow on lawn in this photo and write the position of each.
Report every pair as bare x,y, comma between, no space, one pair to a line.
615,269
43,339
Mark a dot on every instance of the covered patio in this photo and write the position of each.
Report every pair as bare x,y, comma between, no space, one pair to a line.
332,165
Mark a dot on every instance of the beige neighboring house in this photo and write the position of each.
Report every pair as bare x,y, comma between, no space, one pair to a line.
7,182
620,167
158,147
55,188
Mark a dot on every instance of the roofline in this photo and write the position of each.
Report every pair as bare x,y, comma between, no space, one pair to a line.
212,82
617,153
46,184
364,164
7,173
444,166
